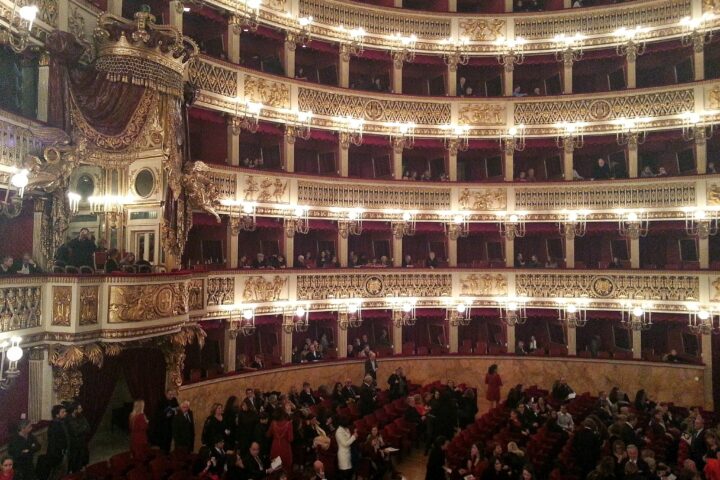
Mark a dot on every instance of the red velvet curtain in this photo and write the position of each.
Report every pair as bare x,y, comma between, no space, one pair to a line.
97,390
14,401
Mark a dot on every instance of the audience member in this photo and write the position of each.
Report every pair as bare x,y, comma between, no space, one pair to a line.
183,428
82,249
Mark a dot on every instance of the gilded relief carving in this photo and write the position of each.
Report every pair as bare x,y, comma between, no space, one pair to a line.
714,97
631,287
659,195
62,303
716,286
338,194
272,94
220,291
88,305
137,303
257,289
20,308
483,114
213,77
713,194
657,104
483,199
711,5
321,287
480,29
483,284
196,295
265,189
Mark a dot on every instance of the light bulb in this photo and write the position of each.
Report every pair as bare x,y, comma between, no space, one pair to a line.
461,308
638,312
406,216
571,308
513,218
352,308
573,217
247,314
14,353
300,311
406,307
20,179
632,216
512,306
28,13
703,314
248,208
299,211
458,219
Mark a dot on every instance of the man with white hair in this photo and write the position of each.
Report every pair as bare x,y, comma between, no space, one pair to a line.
367,396
183,428
319,470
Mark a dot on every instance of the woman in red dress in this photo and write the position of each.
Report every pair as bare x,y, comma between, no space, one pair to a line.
138,431
493,381
281,432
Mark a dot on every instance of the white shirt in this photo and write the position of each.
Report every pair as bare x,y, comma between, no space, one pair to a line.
565,421
344,440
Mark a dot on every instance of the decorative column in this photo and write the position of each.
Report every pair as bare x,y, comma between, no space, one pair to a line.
289,250
508,6
42,86
508,77
343,250
452,6
452,81
453,333
37,244
568,157
509,163
397,163
342,340
115,7
397,3
510,335
286,346
632,152
41,396
396,77
452,163
344,66
569,251
289,55
176,14
630,67
635,252
704,251
567,75
233,246
233,145
637,344
699,56
701,150
233,48
397,251
229,348
452,252
343,158
509,252
397,336
288,153
572,341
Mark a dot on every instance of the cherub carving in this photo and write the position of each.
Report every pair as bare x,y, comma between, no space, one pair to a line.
200,189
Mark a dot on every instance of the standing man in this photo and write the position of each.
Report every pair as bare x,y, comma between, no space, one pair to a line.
164,417
58,443
367,396
371,366
183,428
82,249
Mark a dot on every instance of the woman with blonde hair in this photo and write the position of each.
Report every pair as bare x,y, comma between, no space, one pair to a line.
138,431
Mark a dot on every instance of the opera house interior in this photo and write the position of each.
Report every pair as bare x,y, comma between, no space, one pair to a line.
359,239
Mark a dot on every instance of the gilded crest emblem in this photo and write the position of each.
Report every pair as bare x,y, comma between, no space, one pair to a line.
600,109
602,286
374,110
374,286
164,302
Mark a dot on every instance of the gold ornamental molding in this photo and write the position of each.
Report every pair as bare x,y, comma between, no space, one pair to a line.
610,196
272,94
139,303
713,194
214,77
609,286
483,29
483,285
62,306
352,195
368,285
89,305
483,199
20,307
260,289
220,291
265,189
196,294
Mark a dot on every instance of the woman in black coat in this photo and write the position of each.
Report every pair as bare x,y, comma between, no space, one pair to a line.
22,448
436,459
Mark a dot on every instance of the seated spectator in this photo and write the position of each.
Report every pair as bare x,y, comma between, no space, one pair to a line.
260,261
143,266
532,344
62,256
662,172
128,262
310,261
313,355
519,261
112,263
710,168
517,92
520,348
561,391
461,85
647,172
536,92
565,420
522,176
531,175
26,266
257,363
407,262
280,262
601,170
533,263
6,267
300,263
431,261
672,357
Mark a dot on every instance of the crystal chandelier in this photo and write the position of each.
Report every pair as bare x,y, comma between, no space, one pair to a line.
405,226
355,44
403,136
695,128
350,131
297,319
18,33
568,49
299,127
247,117
629,46
514,139
403,49
352,225
696,32
570,136
456,138
404,312
243,215
703,321
629,133
247,16
244,323
511,52
456,54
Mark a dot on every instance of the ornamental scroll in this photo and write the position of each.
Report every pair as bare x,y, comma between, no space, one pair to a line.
138,303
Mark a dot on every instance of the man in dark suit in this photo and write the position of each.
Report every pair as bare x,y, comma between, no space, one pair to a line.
367,396
307,398
166,411
634,457
371,366
350,393
256,467
628,434
587,445
313,355
183,428
398,384
55,462
698,447
250,400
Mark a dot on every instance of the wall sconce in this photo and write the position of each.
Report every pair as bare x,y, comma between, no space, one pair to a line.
696,32
352,225
514,139
636,317
574,224
629,132
242,323
512,310
633,224
74,202
460,314
403,136
456,138
297,319
350,314
457,226
247,118
570,136
184,6
630,47
403,50
300,127
703,321
298,223
512,52
511,226
701,223
112,206
695,128
568,49
247,16
242,216
355,44
456,54
17,34
10,355
573,313
350,131
404,312
20,179
405,226
302,35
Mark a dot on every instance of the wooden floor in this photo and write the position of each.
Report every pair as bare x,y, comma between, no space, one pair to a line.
412,467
